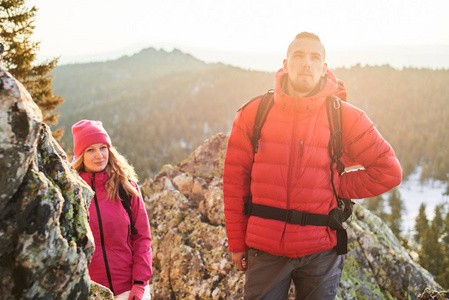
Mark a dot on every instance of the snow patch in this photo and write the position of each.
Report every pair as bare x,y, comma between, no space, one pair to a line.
413,193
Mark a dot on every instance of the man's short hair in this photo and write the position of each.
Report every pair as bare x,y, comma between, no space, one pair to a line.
307,35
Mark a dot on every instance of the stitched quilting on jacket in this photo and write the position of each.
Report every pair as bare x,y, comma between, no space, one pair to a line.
291,170
129,257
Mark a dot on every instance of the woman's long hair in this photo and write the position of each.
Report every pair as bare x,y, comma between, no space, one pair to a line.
119,171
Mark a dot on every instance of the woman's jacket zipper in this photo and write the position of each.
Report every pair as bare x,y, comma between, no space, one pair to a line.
100,225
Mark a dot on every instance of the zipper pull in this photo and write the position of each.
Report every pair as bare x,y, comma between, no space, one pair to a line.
92,181
301,148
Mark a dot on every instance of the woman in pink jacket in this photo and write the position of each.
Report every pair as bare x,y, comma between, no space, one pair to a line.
122,257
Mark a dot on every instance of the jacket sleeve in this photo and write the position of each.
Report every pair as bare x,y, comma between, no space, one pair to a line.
236,182
364,145
141,242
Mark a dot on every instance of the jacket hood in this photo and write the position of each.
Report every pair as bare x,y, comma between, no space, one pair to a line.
332,86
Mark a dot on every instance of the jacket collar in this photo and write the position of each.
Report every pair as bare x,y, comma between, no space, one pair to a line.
100,177
303,104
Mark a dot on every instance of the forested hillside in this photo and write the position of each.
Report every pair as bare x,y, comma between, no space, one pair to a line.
159,106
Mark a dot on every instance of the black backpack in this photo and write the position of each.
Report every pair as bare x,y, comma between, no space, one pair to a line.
345,206
126,202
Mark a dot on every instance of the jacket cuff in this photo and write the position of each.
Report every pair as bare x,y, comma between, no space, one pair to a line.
237,249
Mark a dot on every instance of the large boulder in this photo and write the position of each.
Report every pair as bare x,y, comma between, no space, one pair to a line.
45,239
377,266
191,259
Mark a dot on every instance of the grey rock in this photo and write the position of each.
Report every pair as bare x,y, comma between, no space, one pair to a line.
45,239
20,120
208,159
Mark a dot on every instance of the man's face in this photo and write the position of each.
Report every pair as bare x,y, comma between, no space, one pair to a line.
304,66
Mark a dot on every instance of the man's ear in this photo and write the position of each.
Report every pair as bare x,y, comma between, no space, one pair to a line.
285,66
324,70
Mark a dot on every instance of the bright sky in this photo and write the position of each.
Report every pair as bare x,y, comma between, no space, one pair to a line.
87,28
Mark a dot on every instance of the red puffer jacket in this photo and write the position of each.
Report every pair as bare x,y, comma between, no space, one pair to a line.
128,257
291,170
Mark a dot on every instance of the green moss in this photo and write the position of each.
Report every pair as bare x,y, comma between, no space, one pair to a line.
351,274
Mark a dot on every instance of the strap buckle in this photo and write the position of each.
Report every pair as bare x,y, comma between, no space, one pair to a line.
336,102
297,217
288,216
304,218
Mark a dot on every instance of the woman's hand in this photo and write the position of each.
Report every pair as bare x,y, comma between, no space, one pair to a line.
136,292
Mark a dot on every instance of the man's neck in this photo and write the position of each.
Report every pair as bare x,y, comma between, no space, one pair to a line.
286,88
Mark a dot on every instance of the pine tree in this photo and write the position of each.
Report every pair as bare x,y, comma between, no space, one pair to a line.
376,206
446,234
432,254
421,223
397,207
443,279
16,28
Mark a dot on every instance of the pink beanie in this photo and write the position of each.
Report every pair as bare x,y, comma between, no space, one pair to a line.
86,133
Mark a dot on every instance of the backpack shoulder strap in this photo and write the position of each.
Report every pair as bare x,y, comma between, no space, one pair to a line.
334,116
265,105
126,202
248,102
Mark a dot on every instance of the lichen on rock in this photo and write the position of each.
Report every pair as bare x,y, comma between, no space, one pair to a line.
45,239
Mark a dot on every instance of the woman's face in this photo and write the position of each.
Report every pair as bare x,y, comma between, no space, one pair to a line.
96,158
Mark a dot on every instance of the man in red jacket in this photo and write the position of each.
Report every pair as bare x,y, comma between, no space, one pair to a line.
290,172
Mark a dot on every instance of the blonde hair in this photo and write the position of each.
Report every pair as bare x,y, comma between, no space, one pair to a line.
119,172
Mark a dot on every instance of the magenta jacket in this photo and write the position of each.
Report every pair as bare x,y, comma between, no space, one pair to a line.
129,258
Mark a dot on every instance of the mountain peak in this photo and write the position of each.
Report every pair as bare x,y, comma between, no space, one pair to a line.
161,57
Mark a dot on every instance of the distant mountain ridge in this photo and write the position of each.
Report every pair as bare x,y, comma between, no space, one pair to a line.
158,106
398,56
149,64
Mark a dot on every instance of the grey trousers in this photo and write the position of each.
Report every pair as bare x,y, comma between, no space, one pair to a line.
315,276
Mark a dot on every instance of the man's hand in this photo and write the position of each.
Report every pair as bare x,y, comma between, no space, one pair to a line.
239,260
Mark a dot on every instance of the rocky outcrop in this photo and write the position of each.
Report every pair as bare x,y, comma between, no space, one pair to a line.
377,266
45,240
191,261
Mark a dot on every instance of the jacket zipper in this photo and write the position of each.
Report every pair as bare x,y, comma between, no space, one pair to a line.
100,225
301,152
290,170
292,156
